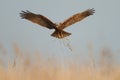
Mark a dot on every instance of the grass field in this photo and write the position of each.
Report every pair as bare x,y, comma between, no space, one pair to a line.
24,67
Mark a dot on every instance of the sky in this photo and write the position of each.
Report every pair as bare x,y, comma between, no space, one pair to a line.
99,30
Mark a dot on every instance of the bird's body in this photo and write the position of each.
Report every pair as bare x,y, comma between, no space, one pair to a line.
45,22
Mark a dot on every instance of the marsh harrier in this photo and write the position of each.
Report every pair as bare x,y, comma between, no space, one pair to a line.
45,22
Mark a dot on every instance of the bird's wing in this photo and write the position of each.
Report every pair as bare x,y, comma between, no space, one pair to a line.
38,19
75,18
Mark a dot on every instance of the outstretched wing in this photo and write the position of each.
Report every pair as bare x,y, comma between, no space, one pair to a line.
38,19
75,18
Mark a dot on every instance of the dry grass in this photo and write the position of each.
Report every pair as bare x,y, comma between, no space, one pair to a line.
29,68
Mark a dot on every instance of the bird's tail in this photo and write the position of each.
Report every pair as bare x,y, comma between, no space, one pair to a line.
60,34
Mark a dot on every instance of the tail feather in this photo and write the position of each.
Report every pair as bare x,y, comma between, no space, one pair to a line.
60,34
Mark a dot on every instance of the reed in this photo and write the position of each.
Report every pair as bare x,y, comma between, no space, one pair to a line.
26,67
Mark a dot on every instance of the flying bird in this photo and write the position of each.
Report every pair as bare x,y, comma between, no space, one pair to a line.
59,28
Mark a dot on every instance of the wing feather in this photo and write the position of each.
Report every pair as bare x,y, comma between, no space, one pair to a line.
38,19
75,18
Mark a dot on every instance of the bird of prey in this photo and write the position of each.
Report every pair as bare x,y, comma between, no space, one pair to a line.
45,22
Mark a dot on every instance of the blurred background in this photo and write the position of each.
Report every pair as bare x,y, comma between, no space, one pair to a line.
94,40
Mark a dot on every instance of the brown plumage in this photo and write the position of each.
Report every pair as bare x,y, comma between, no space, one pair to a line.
45,22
